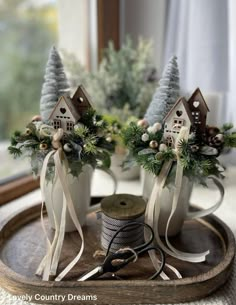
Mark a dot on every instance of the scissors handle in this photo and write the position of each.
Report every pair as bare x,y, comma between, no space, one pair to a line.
139,250
116,261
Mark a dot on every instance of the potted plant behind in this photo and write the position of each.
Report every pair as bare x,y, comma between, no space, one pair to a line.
122,88
64,145
175,145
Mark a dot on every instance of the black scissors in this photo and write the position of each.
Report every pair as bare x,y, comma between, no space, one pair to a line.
116,261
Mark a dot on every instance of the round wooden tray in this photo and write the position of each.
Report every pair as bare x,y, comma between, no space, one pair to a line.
22,246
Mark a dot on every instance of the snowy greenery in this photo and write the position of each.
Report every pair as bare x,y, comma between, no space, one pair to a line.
55,84
197,165
91,142
124,82
166,94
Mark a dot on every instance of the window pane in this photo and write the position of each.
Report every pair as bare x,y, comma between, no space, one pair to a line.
28,28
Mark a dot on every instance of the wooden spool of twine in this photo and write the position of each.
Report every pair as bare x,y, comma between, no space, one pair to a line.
117,211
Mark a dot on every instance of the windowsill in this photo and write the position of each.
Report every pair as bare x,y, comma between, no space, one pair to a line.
17,188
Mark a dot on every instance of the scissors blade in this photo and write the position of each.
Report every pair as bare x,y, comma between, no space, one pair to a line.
93,274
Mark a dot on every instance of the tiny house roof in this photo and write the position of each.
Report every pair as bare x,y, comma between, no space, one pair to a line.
186,107
81,93
70,105
193,97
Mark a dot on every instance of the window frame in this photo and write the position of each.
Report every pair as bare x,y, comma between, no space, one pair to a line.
169,140
108,12
69,124
56,122
17,186
178,123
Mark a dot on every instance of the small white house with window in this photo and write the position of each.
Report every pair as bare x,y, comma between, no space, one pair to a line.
179,115
68,111
64,114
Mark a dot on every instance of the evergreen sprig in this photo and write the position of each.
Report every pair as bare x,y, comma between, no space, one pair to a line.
86,144
197,165
230,140
226,127
81,131
16,152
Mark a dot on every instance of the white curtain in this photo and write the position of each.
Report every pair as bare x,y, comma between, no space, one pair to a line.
231,97
202,33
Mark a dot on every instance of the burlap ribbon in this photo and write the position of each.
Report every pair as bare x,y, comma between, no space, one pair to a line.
154,207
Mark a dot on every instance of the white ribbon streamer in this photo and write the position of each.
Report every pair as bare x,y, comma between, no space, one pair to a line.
151,209
190,257
49,264
154,207
72,213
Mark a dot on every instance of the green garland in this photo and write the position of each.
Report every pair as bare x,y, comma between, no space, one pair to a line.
196,163
91,142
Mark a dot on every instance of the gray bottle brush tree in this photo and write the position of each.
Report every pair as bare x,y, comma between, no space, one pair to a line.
166,94
55,84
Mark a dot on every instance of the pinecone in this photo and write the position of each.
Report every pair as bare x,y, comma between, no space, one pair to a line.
209,136
216,141
212,131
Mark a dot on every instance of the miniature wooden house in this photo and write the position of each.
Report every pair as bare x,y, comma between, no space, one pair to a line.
81,100
64,114
178,116
68,111
199,109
